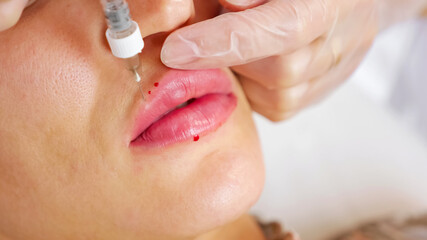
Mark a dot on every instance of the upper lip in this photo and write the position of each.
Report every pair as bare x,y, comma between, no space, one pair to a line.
175,88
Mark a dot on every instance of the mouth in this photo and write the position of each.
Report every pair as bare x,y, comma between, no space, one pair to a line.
184,106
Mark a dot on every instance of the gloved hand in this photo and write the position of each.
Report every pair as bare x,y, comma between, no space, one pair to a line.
10,12
287,53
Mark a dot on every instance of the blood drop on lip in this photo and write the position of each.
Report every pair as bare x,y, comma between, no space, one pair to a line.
156,84
196,138
149,92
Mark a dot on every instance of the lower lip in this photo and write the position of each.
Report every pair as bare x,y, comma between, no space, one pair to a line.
204,115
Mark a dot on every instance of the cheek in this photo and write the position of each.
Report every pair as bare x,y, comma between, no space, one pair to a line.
47,87
40,79
49,73
46,92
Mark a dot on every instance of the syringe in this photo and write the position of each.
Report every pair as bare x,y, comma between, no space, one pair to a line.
123,35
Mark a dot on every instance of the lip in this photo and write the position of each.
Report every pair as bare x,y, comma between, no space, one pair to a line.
159,122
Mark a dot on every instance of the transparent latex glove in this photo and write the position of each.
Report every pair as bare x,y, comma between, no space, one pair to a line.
287,54
10,12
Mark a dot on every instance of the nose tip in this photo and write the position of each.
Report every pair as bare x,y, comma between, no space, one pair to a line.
155,16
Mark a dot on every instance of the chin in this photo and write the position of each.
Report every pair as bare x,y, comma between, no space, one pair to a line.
227,183
230,190
219,196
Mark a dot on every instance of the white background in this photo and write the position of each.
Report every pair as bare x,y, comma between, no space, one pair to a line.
357,156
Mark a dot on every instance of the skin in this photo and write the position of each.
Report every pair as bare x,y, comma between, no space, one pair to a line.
66,105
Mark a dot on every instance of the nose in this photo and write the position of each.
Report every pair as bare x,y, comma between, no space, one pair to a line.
156,16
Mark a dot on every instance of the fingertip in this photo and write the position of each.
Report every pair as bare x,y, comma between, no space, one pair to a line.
10,12
176,53
240,5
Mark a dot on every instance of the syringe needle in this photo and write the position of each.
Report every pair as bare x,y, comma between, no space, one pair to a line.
138,80
142,92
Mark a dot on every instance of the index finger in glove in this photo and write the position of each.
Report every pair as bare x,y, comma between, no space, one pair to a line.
277,27
239,5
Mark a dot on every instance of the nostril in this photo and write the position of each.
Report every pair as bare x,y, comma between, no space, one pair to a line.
30,2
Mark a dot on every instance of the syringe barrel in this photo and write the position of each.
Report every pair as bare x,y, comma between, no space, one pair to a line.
117,14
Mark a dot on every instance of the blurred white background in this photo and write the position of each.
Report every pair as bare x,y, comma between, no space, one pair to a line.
359,155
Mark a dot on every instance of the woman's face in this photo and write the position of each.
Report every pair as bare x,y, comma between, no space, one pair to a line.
76,158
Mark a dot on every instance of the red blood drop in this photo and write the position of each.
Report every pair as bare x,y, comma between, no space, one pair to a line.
156,84
196,138
149,92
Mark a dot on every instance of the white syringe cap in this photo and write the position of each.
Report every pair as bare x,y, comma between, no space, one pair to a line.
128,46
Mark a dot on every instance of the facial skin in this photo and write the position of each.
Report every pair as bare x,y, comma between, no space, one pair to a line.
66,105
